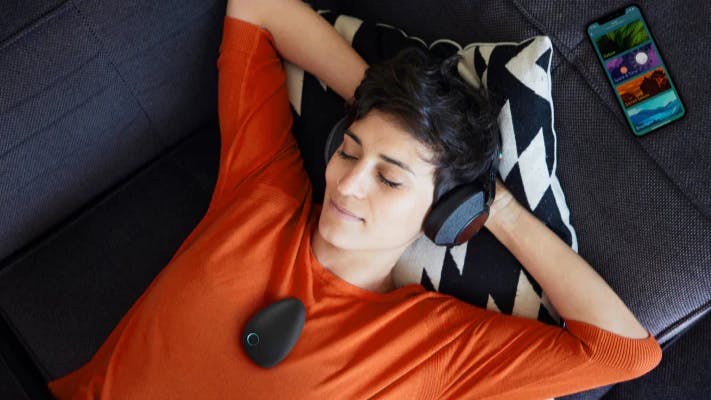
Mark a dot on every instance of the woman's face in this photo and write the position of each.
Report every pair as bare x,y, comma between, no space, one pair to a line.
387,216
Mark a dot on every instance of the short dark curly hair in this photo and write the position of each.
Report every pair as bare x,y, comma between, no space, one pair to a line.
427,97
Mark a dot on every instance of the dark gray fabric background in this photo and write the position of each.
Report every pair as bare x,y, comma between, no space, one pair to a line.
108,152
91,92
67,294
9,387
108,157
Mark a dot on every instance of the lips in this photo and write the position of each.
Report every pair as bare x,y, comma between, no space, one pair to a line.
345,211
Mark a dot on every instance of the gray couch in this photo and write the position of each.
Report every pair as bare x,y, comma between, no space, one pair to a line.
109,146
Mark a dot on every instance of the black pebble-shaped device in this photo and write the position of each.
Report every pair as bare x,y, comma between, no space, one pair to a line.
273,331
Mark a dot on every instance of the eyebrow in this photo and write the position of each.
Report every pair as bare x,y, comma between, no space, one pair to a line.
383,156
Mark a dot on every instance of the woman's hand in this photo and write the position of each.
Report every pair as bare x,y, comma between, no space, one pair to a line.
574,288
505,210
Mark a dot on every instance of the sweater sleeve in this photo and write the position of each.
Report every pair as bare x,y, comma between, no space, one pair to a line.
253,104
498,356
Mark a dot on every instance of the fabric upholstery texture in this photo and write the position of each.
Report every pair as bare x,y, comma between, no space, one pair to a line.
682,43
83,104
92,84
19,377
9,386
66,295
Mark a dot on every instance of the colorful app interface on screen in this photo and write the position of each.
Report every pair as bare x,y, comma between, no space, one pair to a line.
636,71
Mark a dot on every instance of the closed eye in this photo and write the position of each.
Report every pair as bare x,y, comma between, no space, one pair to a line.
391,184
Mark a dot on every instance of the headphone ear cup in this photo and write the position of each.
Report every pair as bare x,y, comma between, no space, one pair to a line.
461,213
458,215
335,138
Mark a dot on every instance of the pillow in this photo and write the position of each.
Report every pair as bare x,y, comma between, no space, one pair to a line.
481,271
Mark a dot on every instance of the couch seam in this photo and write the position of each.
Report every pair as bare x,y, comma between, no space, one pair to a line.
13,374
25,347
31,26
207,129
110,62
699,311
566,53
588,79
62,226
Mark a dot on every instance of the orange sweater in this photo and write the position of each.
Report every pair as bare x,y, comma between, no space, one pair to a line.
181,338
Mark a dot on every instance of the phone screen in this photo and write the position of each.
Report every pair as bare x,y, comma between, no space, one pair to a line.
636,70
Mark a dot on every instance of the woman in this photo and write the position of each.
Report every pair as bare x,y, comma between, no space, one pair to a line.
263,240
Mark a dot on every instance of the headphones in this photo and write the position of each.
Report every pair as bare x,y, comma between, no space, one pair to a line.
460,213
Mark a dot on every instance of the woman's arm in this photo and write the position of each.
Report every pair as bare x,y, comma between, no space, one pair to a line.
574,288
304,38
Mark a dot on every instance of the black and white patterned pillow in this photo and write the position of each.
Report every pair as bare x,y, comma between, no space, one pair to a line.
481,271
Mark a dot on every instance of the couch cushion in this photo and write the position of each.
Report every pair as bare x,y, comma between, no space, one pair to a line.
89,96
65,295
17,15
682,32
9,386
165,54
19,376
640,232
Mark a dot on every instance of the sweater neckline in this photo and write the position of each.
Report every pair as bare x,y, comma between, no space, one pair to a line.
336,285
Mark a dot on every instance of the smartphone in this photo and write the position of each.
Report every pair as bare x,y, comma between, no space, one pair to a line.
635,70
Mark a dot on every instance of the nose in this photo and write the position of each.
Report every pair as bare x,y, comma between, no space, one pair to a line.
353,182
